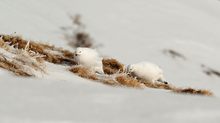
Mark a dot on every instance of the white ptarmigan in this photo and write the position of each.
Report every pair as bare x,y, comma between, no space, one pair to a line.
89,58
146,71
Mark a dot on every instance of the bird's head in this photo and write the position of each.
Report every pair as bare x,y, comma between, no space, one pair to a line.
79,51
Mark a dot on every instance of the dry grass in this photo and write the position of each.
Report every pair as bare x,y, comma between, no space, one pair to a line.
88,74
121,80
20,61
78,36
21,64
110,81
112,66
82,39
84,72
129,81
12,66
51,53
193,91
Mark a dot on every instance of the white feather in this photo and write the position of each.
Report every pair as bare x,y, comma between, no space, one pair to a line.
146,71
89,58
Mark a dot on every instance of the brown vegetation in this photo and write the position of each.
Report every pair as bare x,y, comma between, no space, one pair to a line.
88,74
50,53
23,62
12,66
112,66
129,81
193,91
84,72
78,36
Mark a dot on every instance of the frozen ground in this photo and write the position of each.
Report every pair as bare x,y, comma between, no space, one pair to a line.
131,31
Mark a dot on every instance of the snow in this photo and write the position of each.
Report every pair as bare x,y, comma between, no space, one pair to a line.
125,28
85,101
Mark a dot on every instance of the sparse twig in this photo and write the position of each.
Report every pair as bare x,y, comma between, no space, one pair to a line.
77,37
174,54
210,71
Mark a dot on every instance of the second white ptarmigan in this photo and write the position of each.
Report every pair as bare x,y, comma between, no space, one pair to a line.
89,58
146,71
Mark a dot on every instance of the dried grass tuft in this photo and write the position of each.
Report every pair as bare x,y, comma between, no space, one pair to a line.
51,53
112,66
20,61
193,91
109,81
12,66
88,74
83,72
129,81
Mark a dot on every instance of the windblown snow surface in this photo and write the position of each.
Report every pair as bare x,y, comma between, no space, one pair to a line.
130,31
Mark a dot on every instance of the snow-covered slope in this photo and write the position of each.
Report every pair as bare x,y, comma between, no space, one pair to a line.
131,31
